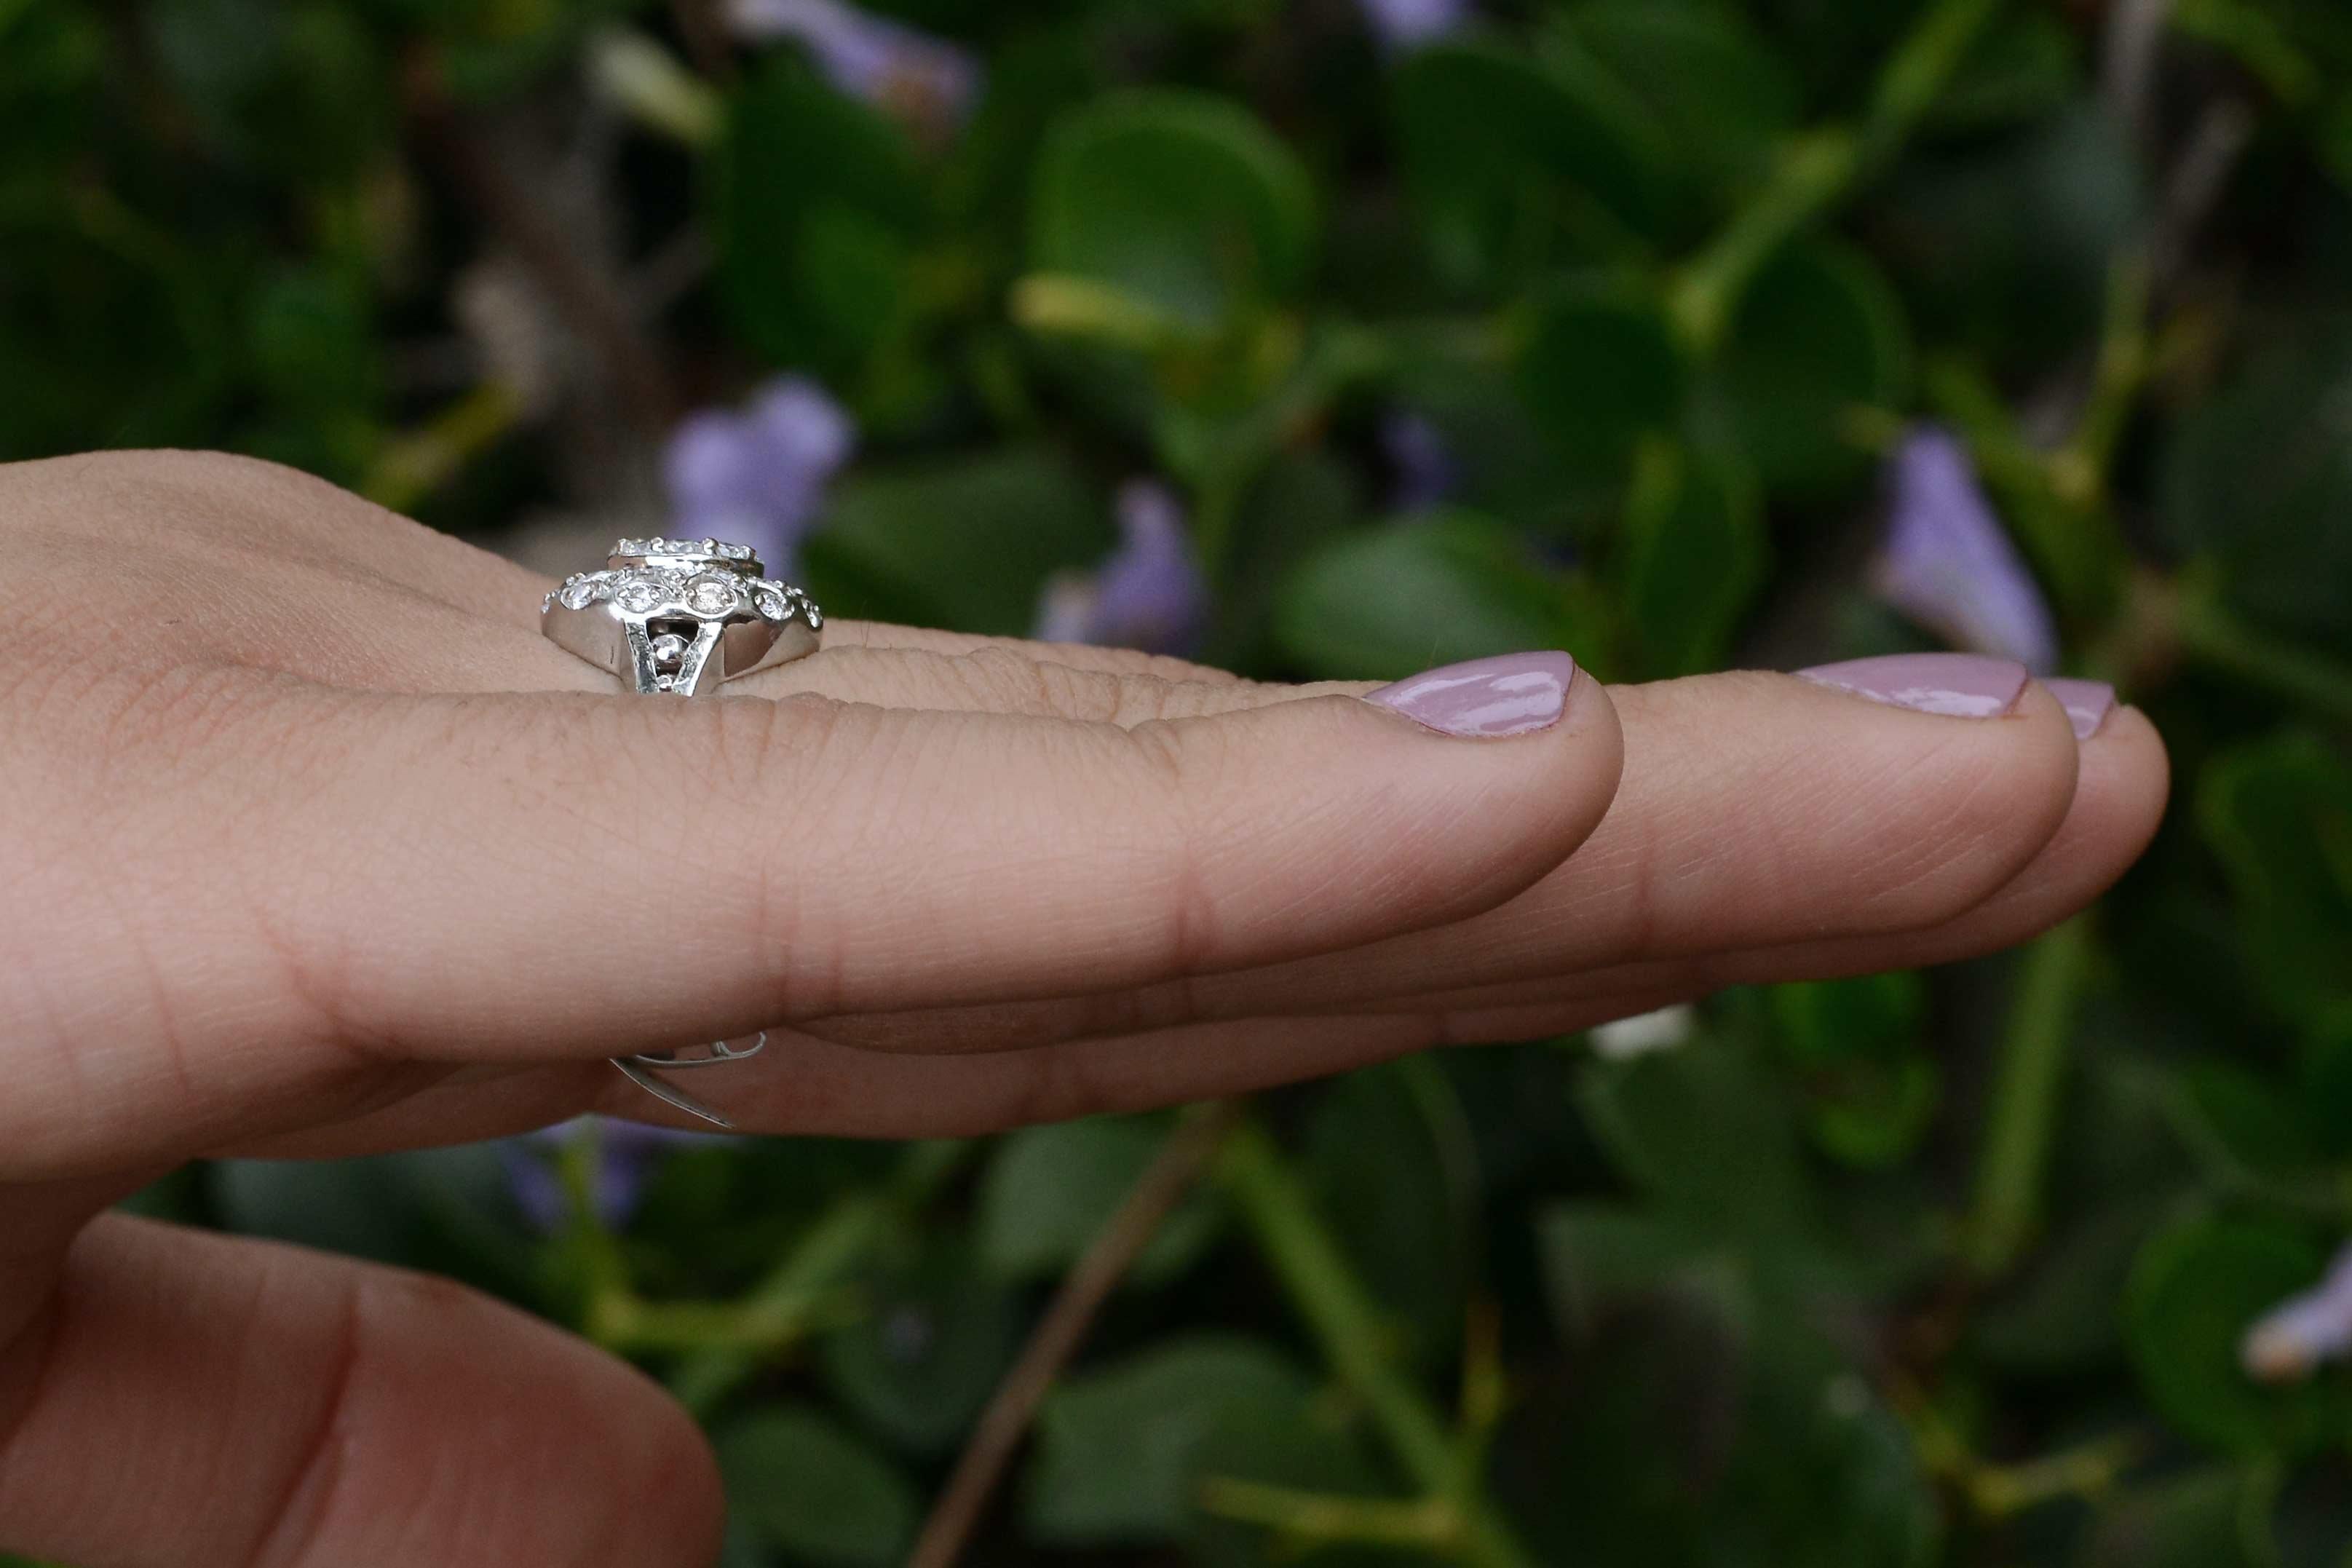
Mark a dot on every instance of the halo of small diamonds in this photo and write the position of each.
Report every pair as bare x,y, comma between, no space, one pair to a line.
706,579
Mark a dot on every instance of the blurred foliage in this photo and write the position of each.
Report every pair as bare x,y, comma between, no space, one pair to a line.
1946,1269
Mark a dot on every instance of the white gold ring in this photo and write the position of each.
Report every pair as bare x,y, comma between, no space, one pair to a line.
672,617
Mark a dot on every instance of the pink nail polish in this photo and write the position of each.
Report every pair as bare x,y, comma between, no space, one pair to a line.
1511,694
2087,704
1965,685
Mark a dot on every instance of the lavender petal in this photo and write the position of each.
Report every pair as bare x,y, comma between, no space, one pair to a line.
1947,562
1401,25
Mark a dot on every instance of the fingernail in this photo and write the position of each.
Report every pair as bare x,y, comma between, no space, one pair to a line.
1966,685
1511,694
2087,704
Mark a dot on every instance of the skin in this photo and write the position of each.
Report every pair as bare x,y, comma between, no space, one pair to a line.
315,847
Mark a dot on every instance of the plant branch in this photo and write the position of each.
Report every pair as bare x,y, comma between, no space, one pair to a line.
790,1298
1824,166
2029,1073
591,304
2210,632
1320,1518
1175,1171
1324,1290
704,29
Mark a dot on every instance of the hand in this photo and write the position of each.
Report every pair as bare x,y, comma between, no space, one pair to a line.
315,847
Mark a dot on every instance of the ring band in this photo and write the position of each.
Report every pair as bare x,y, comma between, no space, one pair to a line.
678,617
674,617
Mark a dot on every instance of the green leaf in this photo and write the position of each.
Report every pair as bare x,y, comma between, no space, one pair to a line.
1708,79
2060,1317
296,91
1694,554
1387,1154
2279,814
1302,501
1050,1190
1825,1022
1516,161
1600,370
1818,335
2255,1120
313,340
1115,1446
1621,1464
1875,1114
2334,137
2259,482
806,1487
936,1338
1707,1135
1181,201
2194,1291
815,200
1870,1088
969,544
106,338
2008,253
2026,66
1395,599
1600,1257
2324,1089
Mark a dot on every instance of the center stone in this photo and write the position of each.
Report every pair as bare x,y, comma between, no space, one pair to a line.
669,648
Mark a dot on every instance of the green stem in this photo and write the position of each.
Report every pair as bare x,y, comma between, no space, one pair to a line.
2028,1076
1913,77
1321,1519
2211,634
1324,1290
1812,175
791,1294
1822,167
2079,469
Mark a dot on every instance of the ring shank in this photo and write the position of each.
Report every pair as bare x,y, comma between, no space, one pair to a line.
601,633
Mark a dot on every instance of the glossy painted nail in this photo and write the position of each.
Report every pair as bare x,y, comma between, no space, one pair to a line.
2087,704
1512,694
1965,685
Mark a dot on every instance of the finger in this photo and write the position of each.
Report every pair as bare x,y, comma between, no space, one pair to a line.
1754,810
198,1400
1073,656
1005,679
351,883
2118,807
828,1069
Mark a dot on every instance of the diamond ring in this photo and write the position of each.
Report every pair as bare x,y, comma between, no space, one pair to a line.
677,618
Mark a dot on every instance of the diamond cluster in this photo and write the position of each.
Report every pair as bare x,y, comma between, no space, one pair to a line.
705,595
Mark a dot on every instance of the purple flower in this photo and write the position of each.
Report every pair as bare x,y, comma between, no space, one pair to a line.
1427,475
2293,1336
1149,593
1946,564
1401,24
923,80
625,1154
758,477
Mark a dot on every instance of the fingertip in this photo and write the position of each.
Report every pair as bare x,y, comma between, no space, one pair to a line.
2126,779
